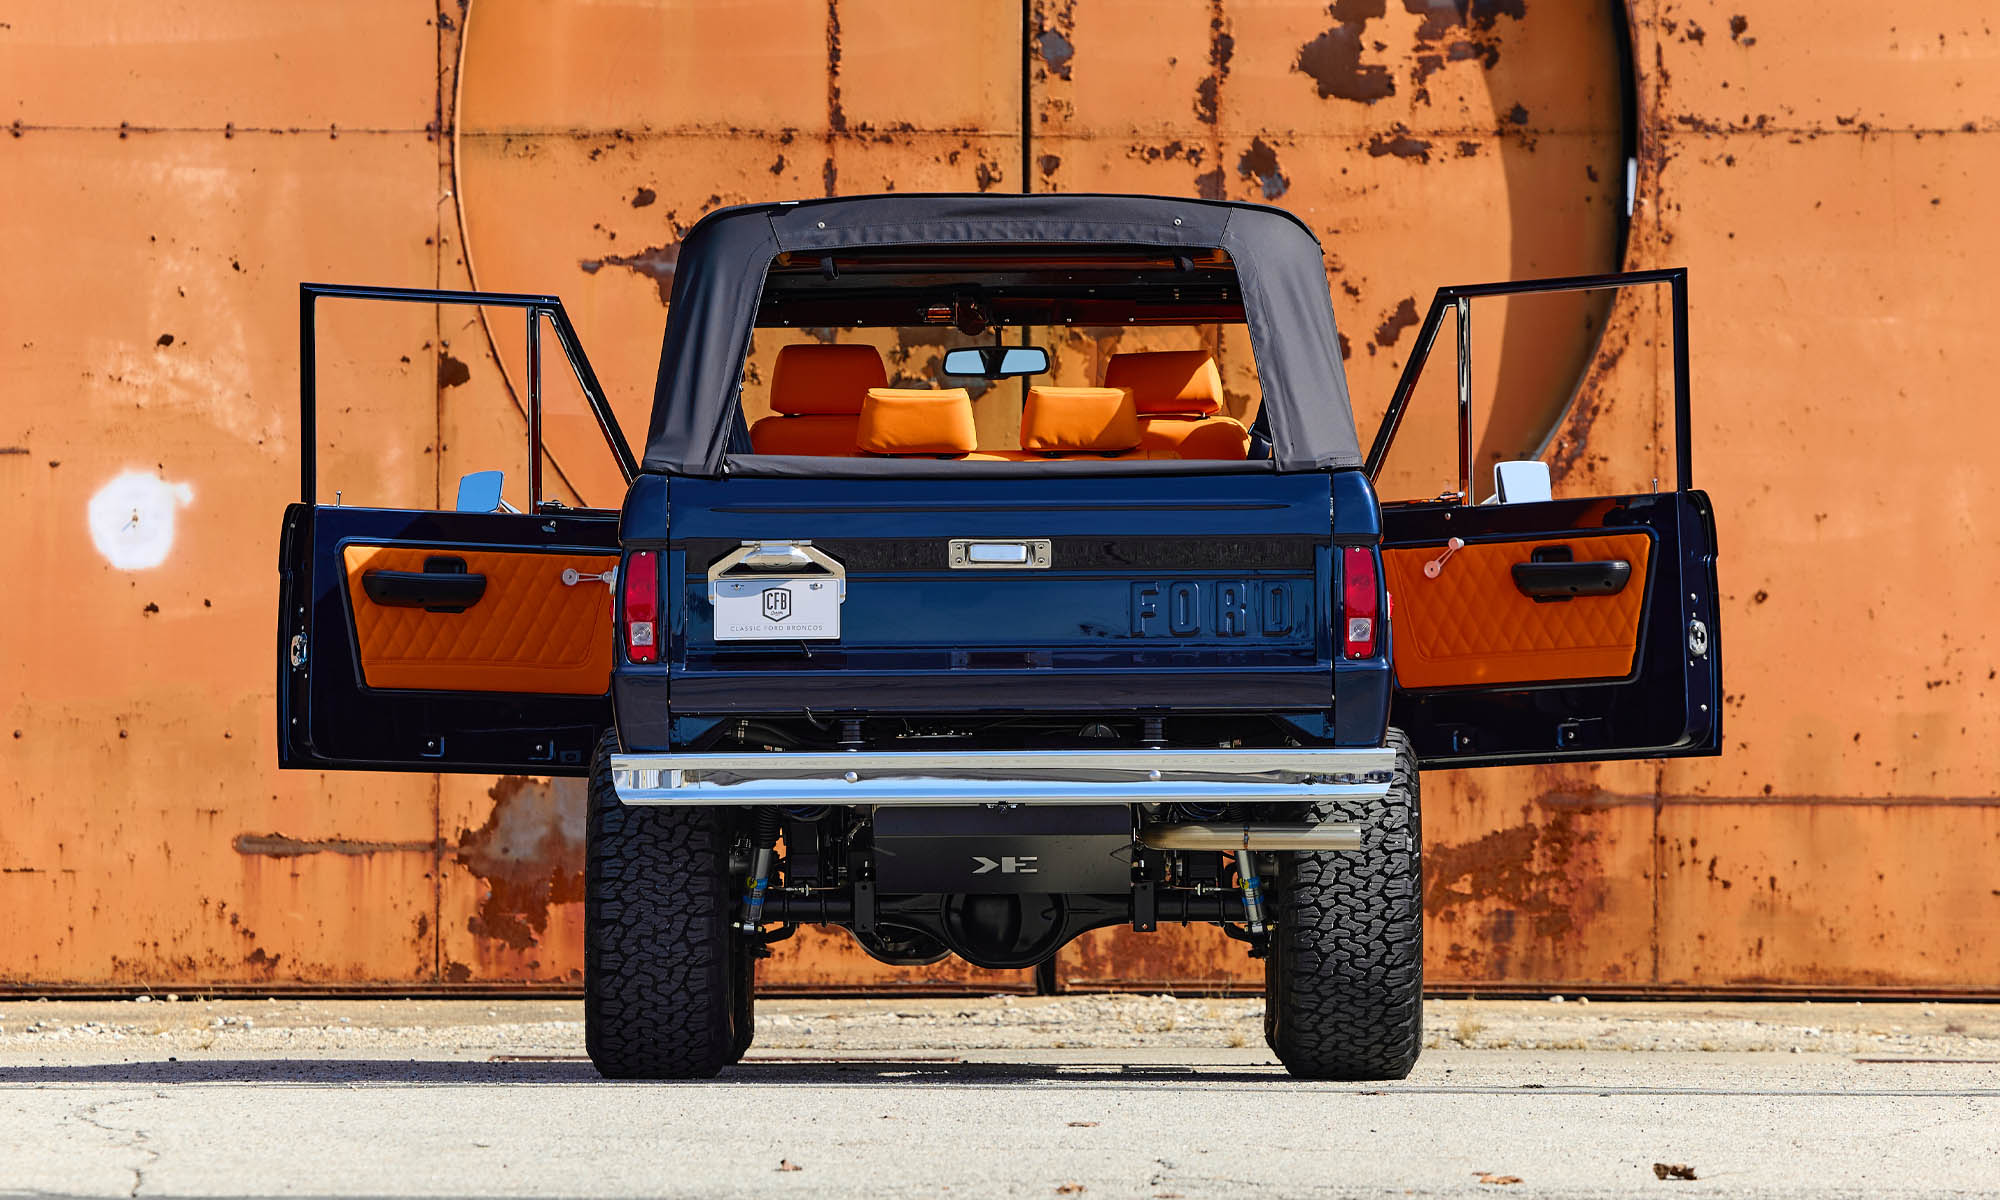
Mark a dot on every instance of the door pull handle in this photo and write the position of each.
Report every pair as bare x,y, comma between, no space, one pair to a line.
1561,580
571,577
436,589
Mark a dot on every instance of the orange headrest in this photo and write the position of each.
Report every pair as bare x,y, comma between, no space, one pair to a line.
812,379
1066,418
1176,382
917,421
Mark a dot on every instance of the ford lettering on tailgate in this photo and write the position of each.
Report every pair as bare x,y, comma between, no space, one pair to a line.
1272,608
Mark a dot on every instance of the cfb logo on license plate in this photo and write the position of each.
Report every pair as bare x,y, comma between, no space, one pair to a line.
789,609
1218,608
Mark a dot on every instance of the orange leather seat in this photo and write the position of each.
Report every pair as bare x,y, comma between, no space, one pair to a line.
817,392
1196,437
917,422
1060,420
1178,395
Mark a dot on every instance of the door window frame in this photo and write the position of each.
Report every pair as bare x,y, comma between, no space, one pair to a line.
537,307
1458,299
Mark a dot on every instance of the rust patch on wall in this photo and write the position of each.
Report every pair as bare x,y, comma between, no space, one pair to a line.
1520,866
655,262
1056,50
1441,17
1190,958
836,113
452,372
1402,145
1260,162
277,845
1333,59
1520,890
528,854
1395,323
1221,48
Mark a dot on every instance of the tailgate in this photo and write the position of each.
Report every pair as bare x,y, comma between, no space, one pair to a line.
1196,592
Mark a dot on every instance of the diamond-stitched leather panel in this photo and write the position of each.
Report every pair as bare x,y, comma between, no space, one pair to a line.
529,633
1471,625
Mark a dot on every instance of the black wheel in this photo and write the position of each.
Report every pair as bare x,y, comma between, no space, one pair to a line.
1344,980
660,963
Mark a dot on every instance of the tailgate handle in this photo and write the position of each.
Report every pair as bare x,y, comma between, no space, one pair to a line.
443,586
766,557
1561,580
999,554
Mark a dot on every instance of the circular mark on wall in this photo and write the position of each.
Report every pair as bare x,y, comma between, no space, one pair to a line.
132,519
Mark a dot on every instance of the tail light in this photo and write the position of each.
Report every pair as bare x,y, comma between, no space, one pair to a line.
641,578
1362,588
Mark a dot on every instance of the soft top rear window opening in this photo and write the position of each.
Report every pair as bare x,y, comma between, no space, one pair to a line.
1047,285
817,263
800,466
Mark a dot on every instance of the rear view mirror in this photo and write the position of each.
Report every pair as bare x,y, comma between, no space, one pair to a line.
996,362
480,491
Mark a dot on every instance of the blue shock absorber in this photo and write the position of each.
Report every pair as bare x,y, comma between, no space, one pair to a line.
760,883
1253,890
761,865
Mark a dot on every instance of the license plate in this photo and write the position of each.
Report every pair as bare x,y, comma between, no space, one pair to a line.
774,610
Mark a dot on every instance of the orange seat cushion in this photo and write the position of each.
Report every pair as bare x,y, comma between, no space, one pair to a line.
1174,382
1196,437
820,436
1079,418
917,421
815,380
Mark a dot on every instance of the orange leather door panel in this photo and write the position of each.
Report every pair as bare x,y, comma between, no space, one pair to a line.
1471,625
529,633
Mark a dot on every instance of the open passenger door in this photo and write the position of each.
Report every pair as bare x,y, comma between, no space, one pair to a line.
472,639
1531,629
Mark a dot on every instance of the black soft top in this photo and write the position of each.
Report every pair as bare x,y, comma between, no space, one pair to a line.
724,259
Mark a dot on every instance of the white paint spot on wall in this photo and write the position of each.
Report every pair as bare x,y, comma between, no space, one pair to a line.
132,519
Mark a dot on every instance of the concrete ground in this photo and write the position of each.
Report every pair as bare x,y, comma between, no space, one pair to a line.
1098,1096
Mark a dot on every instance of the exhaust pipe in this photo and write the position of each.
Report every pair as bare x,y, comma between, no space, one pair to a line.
1285,835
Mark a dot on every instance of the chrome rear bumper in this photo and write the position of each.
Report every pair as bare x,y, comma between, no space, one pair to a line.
1003,777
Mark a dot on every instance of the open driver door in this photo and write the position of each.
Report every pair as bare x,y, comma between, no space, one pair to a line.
476,638
1536,629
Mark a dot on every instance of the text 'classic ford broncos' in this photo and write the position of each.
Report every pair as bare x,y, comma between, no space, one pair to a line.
891,660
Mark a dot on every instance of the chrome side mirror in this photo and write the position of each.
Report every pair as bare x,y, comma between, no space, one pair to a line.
1521,482
480,492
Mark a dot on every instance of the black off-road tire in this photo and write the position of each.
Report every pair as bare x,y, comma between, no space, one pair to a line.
1344,979
661,966
744,1018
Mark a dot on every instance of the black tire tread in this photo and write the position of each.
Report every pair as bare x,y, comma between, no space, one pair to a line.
657,973
743,1017
1344,979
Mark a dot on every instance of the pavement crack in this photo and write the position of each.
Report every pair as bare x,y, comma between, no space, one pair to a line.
127,1139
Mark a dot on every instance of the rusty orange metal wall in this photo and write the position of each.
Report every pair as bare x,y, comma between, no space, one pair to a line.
172,174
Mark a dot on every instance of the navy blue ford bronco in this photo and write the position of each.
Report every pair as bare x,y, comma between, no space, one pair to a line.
889,660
